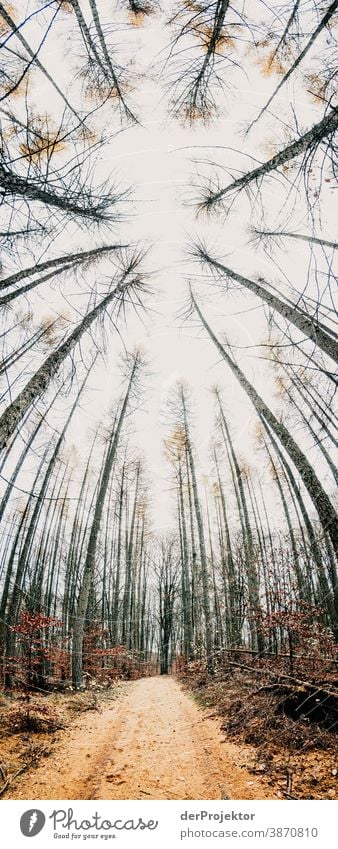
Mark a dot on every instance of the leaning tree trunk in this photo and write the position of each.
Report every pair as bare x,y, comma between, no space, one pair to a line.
315,547
43,376
322,421
313,137
285,234
311,328
320,499
34,58
317,441
314,35
58,265
24,454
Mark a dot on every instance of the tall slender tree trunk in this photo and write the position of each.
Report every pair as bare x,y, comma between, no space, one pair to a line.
43,376
321,501
89,567
202,548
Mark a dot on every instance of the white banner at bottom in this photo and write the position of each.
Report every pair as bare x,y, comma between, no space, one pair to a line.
147,824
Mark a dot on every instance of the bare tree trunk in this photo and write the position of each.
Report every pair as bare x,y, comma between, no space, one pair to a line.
203,555
310,327
89,567
319,29
43,376
313,137
321,501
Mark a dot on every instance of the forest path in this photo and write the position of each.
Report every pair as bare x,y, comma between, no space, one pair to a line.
154,743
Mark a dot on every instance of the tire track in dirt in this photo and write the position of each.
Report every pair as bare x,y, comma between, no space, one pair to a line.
155,742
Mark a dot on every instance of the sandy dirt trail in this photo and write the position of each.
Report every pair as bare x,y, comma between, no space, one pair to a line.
155,742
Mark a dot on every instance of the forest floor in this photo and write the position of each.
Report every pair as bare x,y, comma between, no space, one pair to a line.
146,739
292,736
